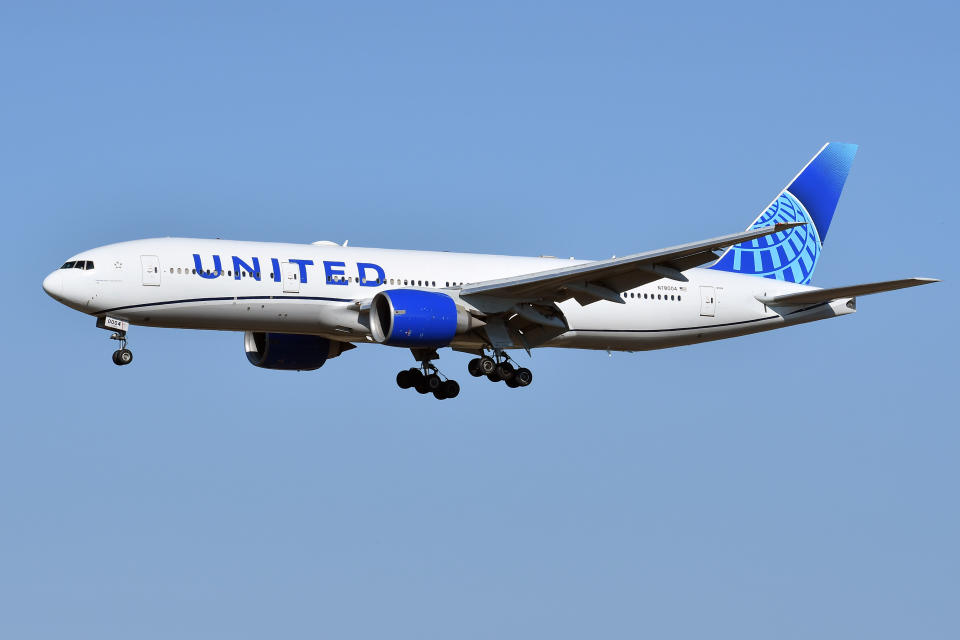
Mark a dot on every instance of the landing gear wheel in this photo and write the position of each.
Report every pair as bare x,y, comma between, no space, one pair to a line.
512,382
416,379
487,365
474,368
523,377
433,382
123,357
450,389
404,379
505,370
115,354
494,377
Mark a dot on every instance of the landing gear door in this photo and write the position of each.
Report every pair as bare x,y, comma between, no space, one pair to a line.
150,270
291,277
708,301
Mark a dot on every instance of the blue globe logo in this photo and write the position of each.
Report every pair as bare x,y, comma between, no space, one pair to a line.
790,255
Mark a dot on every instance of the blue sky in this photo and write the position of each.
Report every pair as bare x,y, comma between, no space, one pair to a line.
794,484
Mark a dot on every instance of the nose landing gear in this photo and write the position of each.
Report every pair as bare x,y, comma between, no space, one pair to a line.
121,356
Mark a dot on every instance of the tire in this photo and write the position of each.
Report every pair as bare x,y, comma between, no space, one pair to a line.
512,382
494,377
124,357
116,357
418,380
523,376
474,368
433,382
450,389
487,365
505,370
404,379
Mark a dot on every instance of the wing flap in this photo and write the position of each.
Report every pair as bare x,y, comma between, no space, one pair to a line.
826,295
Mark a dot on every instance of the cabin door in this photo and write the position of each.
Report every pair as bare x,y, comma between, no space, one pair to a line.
708,301
291,277
150,271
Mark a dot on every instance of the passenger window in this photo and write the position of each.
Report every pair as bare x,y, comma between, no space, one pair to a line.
678,298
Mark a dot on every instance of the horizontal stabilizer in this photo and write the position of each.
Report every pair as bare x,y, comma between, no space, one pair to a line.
816,296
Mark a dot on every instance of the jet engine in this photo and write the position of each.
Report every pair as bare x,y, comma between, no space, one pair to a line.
418,319
290,351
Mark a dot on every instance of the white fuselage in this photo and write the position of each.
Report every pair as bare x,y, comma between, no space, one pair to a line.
305,289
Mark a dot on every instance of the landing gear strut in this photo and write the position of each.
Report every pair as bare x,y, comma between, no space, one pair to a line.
500,368
427,378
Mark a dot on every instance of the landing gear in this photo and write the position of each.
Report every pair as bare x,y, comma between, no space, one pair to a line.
427,378
499,368
121,356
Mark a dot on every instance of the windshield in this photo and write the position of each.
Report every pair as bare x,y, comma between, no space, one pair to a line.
78,264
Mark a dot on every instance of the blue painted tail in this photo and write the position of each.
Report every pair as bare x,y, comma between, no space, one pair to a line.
812,198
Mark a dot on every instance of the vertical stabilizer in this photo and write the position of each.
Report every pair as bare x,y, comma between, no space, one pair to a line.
811,197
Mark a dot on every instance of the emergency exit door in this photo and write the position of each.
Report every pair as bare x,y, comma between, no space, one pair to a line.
708,301
150,271
291,277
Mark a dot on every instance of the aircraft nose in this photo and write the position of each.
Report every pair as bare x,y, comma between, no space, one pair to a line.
53,285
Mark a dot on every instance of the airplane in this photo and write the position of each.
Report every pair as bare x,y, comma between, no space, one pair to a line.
299,305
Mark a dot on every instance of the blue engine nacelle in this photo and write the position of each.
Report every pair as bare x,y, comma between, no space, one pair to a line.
417,319
290,351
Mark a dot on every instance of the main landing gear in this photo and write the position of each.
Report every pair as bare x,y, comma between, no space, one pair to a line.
121,356
427,378
499,368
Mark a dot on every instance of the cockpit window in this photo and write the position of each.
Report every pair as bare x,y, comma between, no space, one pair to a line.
86,265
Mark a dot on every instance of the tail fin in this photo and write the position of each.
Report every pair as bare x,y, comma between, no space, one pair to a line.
812,198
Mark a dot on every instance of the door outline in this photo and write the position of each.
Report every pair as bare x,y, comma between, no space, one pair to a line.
290,274
708,301
150,271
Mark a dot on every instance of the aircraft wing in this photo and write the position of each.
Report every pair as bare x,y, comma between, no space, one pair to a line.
607,279
826,295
